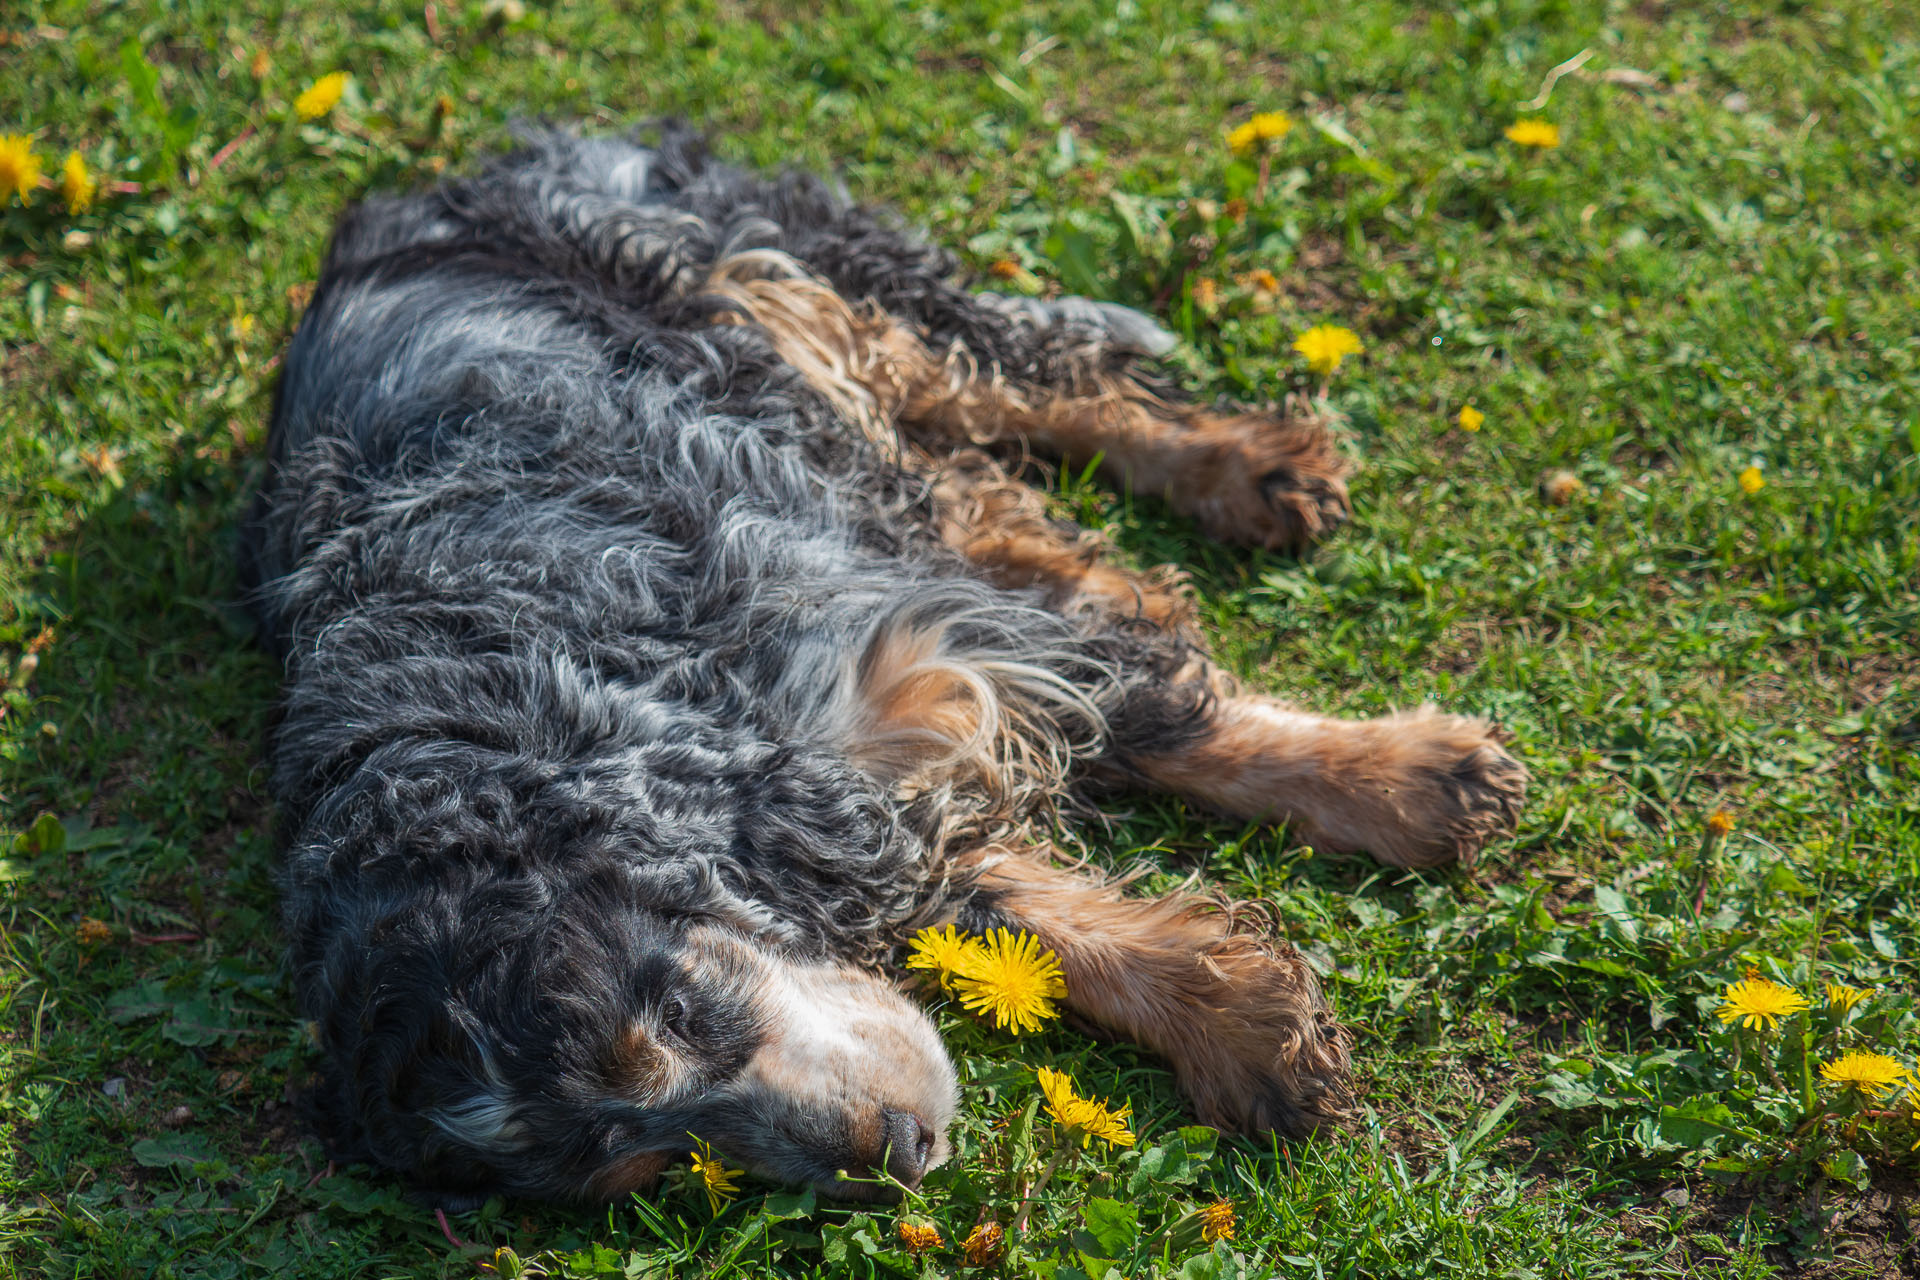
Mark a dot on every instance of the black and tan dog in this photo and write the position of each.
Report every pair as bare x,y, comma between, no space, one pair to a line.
666,637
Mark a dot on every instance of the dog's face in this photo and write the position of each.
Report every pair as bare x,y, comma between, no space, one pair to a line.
837,1072
576,1063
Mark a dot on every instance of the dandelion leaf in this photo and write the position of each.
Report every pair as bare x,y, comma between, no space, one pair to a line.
1175,1161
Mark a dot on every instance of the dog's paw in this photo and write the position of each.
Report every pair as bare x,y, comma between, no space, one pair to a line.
1480,798
1302,506
1266,1054
1270,481
1446,789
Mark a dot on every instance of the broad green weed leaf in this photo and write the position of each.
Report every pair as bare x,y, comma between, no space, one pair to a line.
1113,1225
174,1150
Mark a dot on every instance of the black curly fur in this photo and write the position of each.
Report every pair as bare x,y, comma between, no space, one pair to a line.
568,582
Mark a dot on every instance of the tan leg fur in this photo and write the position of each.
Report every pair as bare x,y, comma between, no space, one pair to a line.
1001,525
1414,789
1238,1015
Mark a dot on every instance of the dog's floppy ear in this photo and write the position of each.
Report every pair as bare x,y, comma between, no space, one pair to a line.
393,1097
411,1081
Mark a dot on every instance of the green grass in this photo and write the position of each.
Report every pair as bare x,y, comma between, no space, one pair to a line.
1714,272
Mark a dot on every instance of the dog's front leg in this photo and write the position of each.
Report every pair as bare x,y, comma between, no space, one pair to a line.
1239,1015
1415,789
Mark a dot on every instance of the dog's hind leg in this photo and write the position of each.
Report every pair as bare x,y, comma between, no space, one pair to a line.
1260,477
1266,479
1270,480
1001,525
1415,789
1418,788
1239,1015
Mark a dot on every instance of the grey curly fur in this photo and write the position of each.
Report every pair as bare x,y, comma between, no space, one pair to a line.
571,586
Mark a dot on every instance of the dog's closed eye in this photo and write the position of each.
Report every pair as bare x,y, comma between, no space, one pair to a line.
676,1017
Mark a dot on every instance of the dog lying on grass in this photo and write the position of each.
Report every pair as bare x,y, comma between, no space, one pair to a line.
668,633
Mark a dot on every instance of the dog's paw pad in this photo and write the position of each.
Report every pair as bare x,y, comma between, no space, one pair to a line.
1453,808
1270,481
1303,506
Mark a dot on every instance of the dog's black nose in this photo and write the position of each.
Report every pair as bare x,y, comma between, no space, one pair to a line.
909,1145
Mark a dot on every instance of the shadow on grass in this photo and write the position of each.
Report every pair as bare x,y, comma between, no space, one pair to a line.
154,1029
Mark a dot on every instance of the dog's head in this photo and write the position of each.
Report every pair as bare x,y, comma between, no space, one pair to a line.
507,1040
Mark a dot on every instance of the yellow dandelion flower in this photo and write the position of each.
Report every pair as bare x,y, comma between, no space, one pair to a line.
321,97
1326,345
260,64
1874,1074
715,1178
1217,1221
19,166
1261,280
1083,1118
1720,823
1756,1002
1265,127
1004,269
1057,1088
1534,133
91,932
946,953
1206,294
918,1237
1752,480
1470,418
1014,979
985,1244
76,184
1843,997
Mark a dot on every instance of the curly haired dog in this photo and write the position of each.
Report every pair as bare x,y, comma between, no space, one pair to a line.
667,633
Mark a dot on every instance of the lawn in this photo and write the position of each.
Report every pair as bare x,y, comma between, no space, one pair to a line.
1678,557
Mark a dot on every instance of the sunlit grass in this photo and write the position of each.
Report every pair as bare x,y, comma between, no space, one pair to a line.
1636,419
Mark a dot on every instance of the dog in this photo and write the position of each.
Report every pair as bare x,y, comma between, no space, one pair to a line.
670,629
